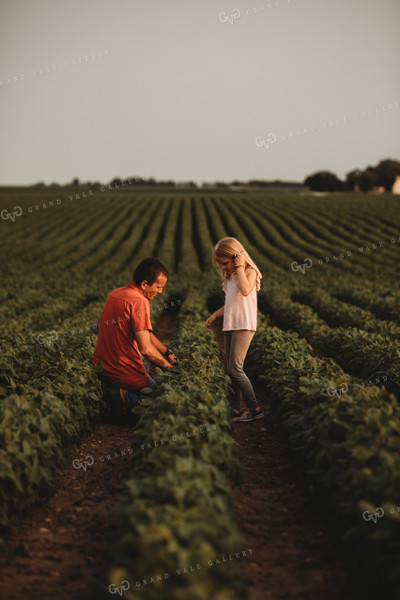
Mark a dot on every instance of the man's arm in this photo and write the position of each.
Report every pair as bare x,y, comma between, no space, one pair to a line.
149,350
160,346
157,344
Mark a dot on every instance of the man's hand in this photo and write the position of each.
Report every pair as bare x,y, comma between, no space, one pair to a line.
169,355
149,350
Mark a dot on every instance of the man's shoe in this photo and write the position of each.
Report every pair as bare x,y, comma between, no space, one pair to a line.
250,414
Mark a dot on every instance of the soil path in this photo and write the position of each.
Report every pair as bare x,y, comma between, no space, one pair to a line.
295,553
61,548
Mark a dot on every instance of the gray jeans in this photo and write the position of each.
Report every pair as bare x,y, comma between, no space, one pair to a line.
236,344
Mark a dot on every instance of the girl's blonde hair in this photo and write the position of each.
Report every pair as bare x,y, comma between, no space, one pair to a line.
227,248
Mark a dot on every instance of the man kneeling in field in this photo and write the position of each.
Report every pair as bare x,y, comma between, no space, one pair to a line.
126,336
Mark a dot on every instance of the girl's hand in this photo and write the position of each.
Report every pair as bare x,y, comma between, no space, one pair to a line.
239,260
210,320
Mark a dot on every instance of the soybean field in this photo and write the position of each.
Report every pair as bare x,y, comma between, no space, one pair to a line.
326,353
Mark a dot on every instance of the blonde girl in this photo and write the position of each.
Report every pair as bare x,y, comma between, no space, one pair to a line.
241,282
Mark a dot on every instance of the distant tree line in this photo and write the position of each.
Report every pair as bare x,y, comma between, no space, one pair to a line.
118,182
383,175
151,182
255,183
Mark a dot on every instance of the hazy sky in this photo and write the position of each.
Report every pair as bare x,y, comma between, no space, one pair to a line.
196,90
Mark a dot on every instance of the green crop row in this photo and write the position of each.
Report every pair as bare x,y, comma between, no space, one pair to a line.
350,443
384,308
176,518
363,354
54,398
338,313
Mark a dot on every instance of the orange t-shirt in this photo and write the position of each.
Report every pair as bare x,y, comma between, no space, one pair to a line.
126,310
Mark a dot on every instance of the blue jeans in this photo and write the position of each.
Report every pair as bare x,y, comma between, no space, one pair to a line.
146,363
134,395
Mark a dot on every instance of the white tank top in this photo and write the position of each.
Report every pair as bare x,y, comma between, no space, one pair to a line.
240,312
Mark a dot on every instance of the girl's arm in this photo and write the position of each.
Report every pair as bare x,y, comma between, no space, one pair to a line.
219,312
246,282
211,318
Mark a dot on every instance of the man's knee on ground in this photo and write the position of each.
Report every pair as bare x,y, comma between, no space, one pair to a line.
151,383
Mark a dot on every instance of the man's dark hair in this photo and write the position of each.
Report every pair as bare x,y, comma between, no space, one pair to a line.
148,270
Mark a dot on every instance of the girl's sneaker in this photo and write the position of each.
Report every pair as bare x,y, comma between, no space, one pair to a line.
250,414
237,413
